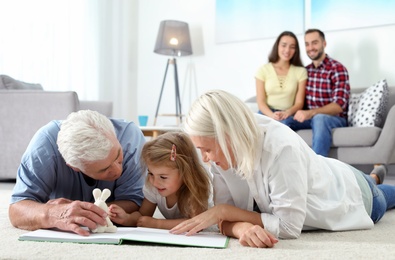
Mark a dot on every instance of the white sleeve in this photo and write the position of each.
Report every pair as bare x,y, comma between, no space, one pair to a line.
287,187
229,188
221,193
149,194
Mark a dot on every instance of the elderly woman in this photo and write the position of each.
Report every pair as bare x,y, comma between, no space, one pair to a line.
269,183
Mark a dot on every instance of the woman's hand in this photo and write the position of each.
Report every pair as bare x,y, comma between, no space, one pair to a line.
254,235
276,115
214,215
281,115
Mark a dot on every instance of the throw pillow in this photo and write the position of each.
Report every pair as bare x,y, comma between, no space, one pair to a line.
6,82
368,108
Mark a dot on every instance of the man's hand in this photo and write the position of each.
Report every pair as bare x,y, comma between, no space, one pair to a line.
70,216
332,109
59,213
303,115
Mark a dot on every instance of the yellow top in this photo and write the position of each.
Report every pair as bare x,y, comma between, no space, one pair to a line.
281,90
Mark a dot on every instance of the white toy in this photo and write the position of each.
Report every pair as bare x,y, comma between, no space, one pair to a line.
100,200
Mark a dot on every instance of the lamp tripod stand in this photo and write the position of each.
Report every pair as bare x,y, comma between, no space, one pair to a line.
177,93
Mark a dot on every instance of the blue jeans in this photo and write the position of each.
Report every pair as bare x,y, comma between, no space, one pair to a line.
322,126
285,121
383,198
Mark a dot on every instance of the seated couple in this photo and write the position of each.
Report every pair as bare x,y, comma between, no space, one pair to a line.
283,85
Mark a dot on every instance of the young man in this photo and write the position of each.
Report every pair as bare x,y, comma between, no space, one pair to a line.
63,164
327,94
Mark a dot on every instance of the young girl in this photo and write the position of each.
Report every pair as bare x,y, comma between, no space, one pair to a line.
177,183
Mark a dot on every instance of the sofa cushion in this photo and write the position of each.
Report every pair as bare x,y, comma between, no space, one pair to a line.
368,108
6,82
347,136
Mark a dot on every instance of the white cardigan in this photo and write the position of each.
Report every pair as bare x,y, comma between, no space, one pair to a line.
294,187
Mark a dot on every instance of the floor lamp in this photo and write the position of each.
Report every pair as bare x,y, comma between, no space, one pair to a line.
173,40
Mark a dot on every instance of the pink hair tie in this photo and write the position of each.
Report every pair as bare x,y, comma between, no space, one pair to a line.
173,154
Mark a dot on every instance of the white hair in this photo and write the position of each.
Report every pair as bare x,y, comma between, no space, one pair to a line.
223,116
85,136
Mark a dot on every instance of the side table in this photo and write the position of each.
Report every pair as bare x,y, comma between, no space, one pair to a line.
154,131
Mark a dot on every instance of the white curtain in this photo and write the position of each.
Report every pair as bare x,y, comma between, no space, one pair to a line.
80,45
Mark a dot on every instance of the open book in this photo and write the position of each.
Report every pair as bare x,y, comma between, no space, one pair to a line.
139,234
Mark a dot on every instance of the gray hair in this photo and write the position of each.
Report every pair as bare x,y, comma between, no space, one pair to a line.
223,116
85,137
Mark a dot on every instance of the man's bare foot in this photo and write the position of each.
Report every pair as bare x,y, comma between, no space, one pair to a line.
378,173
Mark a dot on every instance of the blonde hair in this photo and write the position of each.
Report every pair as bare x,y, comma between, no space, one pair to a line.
85,137
223,116
193,195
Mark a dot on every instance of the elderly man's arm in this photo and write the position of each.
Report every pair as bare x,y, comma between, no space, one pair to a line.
60,213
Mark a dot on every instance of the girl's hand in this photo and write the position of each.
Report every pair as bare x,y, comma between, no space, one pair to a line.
146,221
199,222
117,214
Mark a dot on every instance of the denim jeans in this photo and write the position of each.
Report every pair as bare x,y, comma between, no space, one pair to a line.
322,126
383,198
289,121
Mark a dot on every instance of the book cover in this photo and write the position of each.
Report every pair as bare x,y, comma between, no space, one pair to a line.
139,234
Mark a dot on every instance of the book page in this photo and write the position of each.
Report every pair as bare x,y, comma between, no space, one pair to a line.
147,235
64,236
202,239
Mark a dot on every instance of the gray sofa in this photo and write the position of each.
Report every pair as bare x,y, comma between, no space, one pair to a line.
359,145
23,112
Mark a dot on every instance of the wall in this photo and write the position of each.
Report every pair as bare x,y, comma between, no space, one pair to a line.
367,53
118,33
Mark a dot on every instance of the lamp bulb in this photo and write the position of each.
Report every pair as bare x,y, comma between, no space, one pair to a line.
173,41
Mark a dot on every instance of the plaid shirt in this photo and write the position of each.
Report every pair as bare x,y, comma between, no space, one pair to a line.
326,84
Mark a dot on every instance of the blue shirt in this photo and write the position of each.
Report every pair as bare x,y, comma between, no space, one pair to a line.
44,175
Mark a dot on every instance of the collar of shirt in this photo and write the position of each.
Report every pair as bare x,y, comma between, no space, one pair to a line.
322,65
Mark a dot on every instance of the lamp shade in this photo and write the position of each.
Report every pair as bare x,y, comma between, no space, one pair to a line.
173,39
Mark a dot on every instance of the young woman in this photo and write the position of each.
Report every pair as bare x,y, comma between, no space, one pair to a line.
280,84
268,183
177,183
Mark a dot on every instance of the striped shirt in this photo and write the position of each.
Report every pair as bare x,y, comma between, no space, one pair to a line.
328,83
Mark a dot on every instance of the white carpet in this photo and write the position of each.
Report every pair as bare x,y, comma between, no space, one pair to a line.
378,243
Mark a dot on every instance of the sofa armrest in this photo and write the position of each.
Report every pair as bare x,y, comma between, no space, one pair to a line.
382,152
22,113
386,143
252,104
103,107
